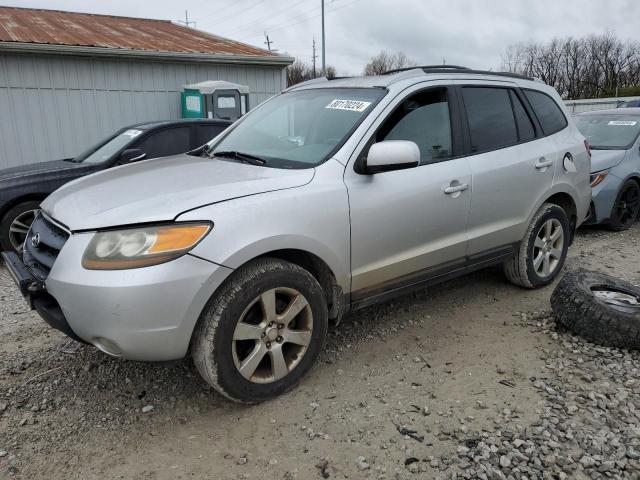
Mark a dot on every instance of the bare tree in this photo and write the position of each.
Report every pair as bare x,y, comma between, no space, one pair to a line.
300,71
593,66
385,61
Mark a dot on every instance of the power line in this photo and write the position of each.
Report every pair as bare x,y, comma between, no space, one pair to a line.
242,10
259,22
287,24
221,10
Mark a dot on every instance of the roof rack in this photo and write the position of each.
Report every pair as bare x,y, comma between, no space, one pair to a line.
426,67
456,68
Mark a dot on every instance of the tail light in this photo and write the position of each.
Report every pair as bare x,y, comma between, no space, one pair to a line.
587,146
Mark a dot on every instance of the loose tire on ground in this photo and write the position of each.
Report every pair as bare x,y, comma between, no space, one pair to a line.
522,269
6,233
603,309
229,328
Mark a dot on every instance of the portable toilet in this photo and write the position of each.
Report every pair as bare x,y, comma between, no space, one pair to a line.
215,99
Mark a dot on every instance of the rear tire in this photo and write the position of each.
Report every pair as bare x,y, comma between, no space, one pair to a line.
543,250
15,224
625,209
262,332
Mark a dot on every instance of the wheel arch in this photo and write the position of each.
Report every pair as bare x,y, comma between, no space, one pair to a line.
322,272
568,204
27,197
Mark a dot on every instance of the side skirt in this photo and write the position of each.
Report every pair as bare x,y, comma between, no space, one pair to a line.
430,276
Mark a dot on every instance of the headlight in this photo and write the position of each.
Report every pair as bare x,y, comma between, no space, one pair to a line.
142,247
598,177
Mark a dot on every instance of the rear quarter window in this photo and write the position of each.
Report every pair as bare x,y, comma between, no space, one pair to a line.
549,114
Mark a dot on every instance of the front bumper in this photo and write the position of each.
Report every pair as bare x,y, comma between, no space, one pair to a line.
139,314
35,294
603,198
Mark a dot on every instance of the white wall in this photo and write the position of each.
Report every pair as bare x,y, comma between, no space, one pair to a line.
56,106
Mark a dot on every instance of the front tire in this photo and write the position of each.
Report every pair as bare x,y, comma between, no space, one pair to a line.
625,210
262,332
15,225
543,250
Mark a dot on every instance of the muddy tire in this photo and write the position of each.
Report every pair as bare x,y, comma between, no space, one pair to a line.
262,331
543,250
625,209
603,309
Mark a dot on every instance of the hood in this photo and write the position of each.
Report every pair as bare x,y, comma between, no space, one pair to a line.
605,159
36,171
161,189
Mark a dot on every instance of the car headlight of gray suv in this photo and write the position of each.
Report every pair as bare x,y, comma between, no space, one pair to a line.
142,247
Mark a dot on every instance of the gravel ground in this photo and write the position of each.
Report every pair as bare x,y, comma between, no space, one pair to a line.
472,379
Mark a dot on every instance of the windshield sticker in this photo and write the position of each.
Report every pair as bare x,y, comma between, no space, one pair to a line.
350,105
132,133
626,123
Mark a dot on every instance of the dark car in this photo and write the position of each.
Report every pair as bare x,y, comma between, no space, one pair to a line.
630,104
23,188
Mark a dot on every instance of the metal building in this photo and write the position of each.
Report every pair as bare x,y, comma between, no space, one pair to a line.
69,79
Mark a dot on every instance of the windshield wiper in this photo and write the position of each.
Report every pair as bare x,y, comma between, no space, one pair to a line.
244,157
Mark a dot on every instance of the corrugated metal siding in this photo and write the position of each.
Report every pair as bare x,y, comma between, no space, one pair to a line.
54,107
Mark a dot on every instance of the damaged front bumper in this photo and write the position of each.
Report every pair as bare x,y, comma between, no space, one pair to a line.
35,293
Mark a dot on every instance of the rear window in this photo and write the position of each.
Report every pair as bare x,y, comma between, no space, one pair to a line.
609,131
491,121
549,114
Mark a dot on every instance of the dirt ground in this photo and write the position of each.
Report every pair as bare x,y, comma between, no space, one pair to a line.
414,388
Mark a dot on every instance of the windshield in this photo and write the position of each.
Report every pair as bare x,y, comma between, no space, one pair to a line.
301,129
104,151
609,132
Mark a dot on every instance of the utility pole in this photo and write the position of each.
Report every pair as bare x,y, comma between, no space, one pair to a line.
268,42
324,65
186,21
313,57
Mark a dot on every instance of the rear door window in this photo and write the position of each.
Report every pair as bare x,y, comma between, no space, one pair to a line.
526,130
490,117
549,114
168,141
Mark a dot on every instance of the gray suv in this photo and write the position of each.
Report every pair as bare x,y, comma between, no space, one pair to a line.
332,196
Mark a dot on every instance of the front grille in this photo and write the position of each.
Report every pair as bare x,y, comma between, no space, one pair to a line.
42,246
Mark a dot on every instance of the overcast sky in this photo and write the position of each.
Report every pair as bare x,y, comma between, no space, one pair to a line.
473,33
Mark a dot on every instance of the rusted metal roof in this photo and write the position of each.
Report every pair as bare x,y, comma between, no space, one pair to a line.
54,27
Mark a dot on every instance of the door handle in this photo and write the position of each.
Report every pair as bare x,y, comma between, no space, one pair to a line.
456,188
543,163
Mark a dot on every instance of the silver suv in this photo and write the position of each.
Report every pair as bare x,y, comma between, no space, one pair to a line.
329,197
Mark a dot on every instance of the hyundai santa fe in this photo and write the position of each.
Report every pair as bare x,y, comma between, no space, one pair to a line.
331,196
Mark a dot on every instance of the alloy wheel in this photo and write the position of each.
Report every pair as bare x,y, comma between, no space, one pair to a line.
548,247
618,299
272,335
20,227
626,210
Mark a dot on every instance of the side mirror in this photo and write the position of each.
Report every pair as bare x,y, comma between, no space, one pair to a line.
131,155
392,155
